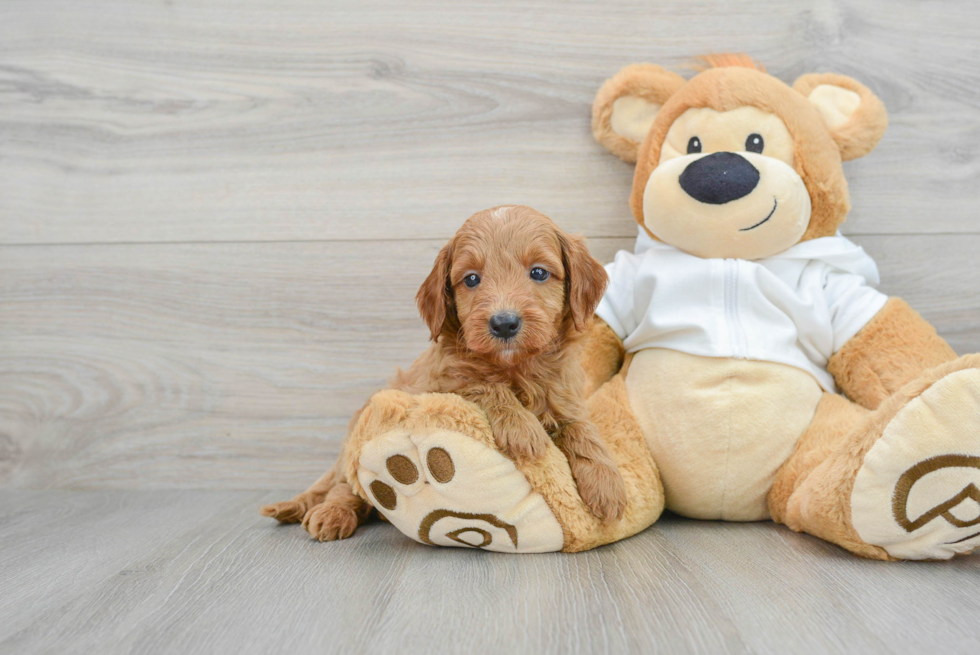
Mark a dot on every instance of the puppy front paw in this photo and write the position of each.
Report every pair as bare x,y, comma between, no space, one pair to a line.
521,436
330,521
601,487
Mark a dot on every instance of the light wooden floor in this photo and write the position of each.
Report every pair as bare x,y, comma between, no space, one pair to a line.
194,572
213,220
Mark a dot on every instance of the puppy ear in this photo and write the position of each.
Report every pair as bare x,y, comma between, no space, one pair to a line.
855,117
585,279
627,104
435,297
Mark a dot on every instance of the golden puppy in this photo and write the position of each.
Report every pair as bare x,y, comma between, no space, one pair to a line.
506,303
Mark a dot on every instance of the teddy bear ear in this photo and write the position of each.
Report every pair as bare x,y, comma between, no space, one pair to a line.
855,117
626,105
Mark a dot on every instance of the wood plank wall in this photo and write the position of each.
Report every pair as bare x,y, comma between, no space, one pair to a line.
214,215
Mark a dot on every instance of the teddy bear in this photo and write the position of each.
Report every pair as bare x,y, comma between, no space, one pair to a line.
743,366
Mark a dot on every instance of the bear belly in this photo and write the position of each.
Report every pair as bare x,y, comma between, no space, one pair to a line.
719,429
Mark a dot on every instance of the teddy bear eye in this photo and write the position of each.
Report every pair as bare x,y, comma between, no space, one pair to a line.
539,274
755,143
471,280
693,145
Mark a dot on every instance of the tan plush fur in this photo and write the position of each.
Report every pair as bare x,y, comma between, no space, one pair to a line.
550,474
820,504
392,407
719,428
834,419
602,355
531,385
858,136
733,82
817,158
891,361
565,356
890,351
727,60
647,81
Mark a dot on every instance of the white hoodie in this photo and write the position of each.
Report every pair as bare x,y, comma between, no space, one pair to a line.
797,308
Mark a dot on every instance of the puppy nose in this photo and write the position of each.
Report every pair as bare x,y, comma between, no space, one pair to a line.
505,325
719,178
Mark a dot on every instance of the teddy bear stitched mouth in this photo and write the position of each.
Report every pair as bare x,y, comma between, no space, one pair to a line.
775,204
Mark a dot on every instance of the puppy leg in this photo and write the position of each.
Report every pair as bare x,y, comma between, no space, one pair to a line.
518,433
516,430
293,511
338,515
598,479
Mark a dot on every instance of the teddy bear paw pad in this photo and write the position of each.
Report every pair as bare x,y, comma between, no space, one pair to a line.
444,488
917,494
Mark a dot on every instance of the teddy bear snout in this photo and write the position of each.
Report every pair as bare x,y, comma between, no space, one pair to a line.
719,178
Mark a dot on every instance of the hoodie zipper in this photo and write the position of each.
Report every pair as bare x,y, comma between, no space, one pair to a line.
736,334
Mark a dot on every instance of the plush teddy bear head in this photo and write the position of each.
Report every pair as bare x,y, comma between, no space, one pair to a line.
734,162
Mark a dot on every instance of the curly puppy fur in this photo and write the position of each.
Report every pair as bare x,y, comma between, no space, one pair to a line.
531,384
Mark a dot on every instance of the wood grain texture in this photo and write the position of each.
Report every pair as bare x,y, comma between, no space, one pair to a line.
201,572
238,365
237,120
214,215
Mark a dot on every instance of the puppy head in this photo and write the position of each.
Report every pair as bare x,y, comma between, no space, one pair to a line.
510,284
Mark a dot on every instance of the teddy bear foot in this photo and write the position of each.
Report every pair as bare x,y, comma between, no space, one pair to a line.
917,493
443,488
431,466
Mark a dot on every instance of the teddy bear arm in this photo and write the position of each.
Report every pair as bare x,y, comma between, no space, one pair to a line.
602,355
895,347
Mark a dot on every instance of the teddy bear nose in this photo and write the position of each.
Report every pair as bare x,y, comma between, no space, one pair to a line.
719,178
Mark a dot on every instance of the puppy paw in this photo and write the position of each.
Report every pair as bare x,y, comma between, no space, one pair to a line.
601,487
521,436
288,511
330,521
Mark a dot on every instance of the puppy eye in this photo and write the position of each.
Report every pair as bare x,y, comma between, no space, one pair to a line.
471,280
755,143
693,145
539,274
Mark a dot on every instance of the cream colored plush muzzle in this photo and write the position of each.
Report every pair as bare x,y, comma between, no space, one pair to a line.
770,219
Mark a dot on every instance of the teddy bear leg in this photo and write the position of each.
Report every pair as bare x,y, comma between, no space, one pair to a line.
431,466
903,482
833,422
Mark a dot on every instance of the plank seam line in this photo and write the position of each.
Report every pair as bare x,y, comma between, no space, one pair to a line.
218,242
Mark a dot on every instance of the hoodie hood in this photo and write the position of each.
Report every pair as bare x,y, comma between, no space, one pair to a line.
838,252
